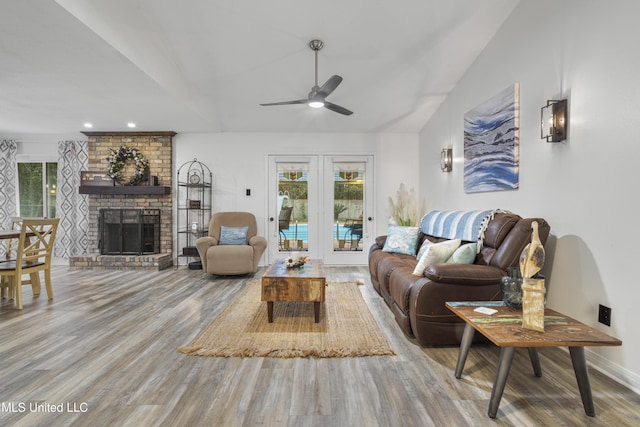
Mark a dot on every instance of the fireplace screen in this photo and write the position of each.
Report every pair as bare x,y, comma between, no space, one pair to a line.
129,231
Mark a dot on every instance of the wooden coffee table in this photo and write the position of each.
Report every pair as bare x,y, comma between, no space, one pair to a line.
504,329
303,284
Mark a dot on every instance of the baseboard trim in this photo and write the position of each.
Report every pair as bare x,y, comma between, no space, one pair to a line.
613,370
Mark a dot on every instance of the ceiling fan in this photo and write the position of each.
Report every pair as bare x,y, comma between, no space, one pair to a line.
318,94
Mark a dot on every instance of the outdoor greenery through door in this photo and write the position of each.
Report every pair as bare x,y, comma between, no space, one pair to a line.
37,189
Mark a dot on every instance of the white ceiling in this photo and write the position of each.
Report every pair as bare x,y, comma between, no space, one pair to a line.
205,65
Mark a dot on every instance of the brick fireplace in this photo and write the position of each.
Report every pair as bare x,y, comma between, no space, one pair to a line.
157,148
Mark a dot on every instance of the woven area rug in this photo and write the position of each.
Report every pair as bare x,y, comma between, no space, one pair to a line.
346,328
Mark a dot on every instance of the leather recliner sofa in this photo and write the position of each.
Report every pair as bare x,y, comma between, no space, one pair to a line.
418,302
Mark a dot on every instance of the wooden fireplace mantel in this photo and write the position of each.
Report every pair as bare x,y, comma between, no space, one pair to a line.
130,134
120,190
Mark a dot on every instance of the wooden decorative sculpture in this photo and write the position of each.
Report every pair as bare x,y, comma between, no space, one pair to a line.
531,261
532,257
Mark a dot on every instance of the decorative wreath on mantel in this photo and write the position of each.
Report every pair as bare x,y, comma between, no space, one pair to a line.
118,158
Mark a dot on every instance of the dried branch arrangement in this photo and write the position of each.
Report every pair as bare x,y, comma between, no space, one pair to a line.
406,210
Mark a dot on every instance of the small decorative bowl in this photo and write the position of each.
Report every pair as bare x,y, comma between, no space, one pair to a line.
295,262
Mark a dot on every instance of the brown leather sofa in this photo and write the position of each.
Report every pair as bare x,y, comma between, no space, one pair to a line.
418,302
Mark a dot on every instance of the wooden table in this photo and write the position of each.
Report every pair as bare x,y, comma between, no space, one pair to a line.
504,329
304,284
10,234
13,234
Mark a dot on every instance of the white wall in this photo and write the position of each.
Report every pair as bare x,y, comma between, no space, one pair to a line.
41,145
239,161
586,51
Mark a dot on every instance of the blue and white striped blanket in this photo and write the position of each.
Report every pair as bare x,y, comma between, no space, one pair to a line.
464,225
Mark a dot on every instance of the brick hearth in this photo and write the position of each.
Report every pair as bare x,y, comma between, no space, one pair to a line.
122,262
157,148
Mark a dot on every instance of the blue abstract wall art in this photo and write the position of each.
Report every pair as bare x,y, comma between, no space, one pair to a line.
492,143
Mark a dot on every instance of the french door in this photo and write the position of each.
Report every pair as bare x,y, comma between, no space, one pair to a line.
321,207
293,206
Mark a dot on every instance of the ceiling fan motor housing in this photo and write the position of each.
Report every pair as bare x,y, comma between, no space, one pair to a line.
316,45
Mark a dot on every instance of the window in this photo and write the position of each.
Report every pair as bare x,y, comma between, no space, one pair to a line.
37,189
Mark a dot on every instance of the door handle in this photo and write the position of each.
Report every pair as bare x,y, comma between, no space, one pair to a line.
271,219
370,218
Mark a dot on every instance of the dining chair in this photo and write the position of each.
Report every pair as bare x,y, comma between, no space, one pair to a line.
14,224
10,245
33,254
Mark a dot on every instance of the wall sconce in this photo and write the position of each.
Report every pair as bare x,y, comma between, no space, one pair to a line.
446,160
553,119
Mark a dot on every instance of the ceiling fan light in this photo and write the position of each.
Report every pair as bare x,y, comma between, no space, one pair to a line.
316,104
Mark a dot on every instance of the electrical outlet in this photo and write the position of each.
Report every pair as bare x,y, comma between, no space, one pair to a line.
604,315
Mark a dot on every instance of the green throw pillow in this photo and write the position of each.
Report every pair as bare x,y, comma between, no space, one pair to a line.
465,254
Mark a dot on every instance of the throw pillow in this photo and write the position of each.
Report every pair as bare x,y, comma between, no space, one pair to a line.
465,254
233,235
423,248
436,253
401,240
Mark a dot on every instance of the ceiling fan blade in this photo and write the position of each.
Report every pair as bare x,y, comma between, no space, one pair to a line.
329,86
298,101
337,108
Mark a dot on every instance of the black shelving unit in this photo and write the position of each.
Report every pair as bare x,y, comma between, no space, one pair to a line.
194,200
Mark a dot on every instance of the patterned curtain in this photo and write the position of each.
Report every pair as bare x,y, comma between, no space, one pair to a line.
71,207
8,171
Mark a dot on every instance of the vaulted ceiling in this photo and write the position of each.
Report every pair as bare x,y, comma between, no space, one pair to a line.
206,65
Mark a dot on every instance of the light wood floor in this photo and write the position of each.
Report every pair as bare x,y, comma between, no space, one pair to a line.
106,346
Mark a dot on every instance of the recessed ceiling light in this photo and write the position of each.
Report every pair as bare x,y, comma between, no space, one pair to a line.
131,125
88,125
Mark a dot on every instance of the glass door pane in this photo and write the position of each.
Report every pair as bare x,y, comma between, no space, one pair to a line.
30,189
293,207
52,180
37,183
348,205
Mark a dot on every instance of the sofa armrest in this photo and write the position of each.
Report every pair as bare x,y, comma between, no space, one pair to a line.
377,245
464,274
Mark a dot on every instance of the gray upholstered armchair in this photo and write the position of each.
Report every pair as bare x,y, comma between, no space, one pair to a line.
232,246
